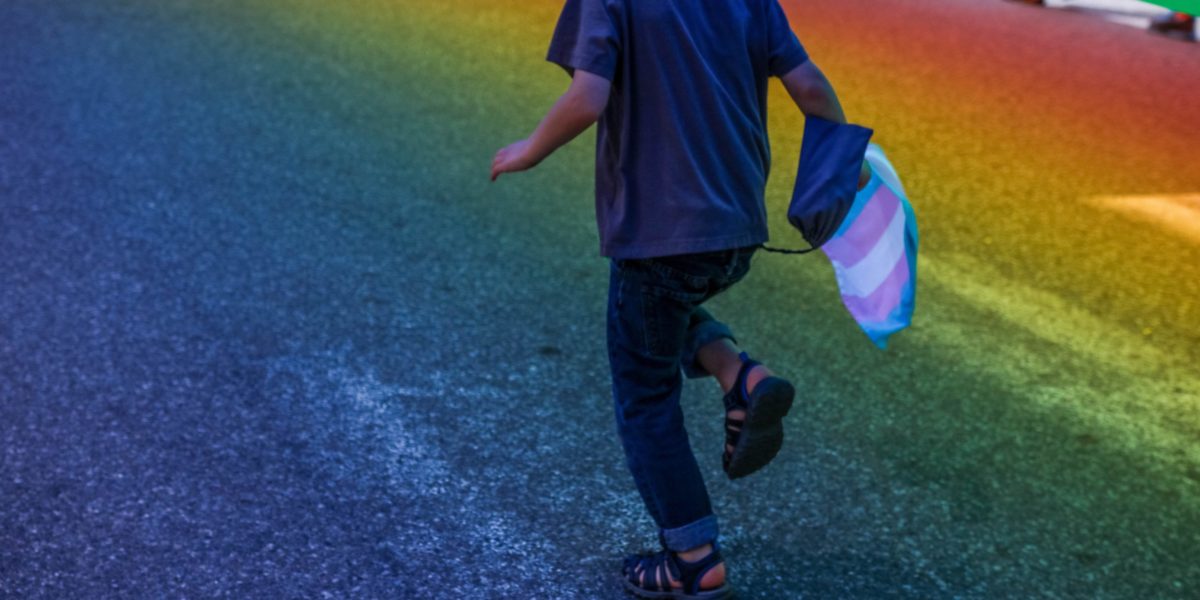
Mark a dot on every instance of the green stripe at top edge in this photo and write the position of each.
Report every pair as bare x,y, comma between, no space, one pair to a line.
1191,7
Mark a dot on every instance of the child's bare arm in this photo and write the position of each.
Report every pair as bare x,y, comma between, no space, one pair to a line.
574,112
814,95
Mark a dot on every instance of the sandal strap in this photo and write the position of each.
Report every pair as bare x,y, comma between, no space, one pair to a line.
732,436
652,570
639,572
650,573
659,568
668,569
731,400
674,568
690,573
738,396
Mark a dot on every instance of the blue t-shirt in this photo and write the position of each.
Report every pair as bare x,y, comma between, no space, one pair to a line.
681,150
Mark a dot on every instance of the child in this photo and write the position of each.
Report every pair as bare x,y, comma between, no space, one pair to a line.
679,88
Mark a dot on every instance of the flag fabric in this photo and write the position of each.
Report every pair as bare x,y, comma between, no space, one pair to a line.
869,235
874,253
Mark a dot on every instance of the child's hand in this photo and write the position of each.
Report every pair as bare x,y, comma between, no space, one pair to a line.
512,158
864,176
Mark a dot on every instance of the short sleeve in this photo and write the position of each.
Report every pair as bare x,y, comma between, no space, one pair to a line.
784,51
587,37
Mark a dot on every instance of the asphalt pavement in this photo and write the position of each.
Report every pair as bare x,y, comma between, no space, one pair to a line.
266,330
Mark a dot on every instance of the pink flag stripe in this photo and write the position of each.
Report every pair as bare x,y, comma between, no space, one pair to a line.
866,230
880,304
863,277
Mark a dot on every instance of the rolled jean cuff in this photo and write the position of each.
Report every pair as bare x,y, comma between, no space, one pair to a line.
696,533
699,336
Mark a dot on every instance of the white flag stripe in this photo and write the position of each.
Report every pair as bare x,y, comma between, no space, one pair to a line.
864,277
883,167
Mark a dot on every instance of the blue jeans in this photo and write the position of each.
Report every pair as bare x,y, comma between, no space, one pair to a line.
655,328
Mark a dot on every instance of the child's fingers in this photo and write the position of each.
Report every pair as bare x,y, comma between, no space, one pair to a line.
495,164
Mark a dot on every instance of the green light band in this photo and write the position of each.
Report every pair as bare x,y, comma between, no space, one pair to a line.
1191,7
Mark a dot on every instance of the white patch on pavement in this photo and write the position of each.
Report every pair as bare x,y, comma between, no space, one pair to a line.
1178,213
1125,12
350,400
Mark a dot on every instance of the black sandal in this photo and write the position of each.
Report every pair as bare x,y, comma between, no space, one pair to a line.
657,584
759,436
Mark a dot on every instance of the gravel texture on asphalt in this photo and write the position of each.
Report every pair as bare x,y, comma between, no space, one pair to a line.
267,332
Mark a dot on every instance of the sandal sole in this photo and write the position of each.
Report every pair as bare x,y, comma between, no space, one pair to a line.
762,432
722,593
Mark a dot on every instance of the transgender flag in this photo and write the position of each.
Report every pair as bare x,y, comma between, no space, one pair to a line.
874,253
